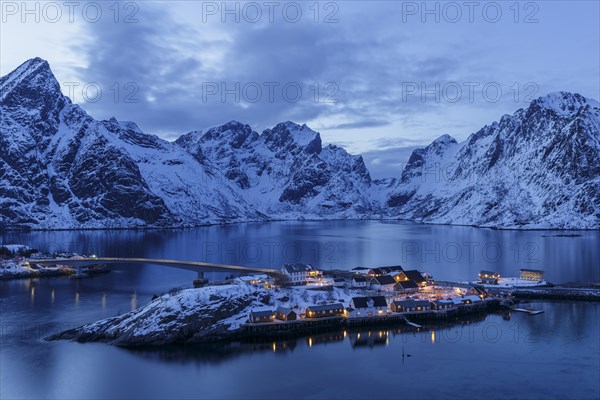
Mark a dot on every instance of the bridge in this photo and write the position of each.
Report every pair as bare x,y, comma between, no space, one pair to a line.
196,266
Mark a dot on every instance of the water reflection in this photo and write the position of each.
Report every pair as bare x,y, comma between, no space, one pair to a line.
355,338
368,339
134,301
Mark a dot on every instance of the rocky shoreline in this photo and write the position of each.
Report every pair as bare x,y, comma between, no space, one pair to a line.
49,272
37,273
192,316
591,293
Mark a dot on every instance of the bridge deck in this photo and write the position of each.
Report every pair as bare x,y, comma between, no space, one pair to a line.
195,266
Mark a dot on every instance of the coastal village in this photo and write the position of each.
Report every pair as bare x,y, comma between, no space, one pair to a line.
389,293
300,297
297,299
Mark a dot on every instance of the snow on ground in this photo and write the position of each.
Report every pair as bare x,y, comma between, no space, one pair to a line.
213,311
15,248
20,268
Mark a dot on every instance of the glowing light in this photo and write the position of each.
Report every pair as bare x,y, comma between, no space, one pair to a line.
310,343
432,337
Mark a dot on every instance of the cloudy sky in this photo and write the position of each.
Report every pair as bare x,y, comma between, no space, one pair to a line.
379,78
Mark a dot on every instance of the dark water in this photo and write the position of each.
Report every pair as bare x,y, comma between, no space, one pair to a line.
551,355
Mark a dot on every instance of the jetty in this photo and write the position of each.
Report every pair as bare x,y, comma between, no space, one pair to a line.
412,323
528,311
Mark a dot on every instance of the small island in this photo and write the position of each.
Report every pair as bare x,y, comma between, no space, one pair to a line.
304,300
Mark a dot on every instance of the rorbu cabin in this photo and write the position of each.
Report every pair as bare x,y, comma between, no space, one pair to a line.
442,305
412,275
534,275
327,310
477,291
406,287
390,269
261,316
409,306
421,305
489,277
285,314
383,282
375,272
400,305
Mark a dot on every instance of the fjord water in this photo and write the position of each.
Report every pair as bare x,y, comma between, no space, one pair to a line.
523,357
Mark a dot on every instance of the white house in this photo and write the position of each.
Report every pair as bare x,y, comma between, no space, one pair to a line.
365,306
359,282
339,282
297,273
257,280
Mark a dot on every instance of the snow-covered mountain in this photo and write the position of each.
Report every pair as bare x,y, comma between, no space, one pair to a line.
285,172
539,168
60,168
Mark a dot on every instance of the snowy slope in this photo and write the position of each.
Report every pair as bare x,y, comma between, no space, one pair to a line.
539,168
199,315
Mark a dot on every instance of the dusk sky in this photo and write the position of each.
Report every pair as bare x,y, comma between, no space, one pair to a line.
165,65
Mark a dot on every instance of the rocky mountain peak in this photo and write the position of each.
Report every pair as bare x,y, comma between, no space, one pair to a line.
32,84
563,104
444,140
292,137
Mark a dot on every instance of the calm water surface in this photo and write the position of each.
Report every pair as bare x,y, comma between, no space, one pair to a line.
524,357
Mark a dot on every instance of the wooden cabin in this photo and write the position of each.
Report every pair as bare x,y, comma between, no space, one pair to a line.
285,314
327,310
489,277
260,316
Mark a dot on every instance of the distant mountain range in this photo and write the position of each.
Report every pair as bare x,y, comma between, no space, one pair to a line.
61,169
